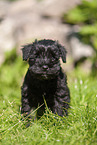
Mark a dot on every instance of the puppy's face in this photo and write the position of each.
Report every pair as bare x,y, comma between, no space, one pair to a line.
43,59
44,63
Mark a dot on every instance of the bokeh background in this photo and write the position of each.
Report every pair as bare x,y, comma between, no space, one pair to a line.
23,21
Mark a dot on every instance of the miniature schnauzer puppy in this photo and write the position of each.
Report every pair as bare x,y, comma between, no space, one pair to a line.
45,78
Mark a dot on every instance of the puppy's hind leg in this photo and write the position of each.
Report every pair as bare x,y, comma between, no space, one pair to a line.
26,106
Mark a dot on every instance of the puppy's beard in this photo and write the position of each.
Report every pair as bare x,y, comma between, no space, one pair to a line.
44,75
41,74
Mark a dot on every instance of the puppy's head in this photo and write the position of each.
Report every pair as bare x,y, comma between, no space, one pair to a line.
43,58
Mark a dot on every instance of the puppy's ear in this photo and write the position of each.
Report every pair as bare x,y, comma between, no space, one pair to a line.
26,51
62,52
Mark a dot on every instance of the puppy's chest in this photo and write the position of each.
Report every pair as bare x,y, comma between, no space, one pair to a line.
43,87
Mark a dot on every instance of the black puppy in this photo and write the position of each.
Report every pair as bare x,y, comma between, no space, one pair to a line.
45,78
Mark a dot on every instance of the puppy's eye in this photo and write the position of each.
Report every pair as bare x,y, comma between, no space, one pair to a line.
54,57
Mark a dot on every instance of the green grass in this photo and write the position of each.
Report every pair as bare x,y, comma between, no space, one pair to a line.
79,128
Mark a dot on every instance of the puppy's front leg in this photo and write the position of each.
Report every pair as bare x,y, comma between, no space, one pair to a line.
25,101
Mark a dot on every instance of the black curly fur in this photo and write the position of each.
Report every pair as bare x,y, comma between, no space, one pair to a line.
45,78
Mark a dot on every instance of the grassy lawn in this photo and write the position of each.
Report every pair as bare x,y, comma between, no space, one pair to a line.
79,128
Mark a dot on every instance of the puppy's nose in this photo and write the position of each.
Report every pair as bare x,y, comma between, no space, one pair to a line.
45,67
